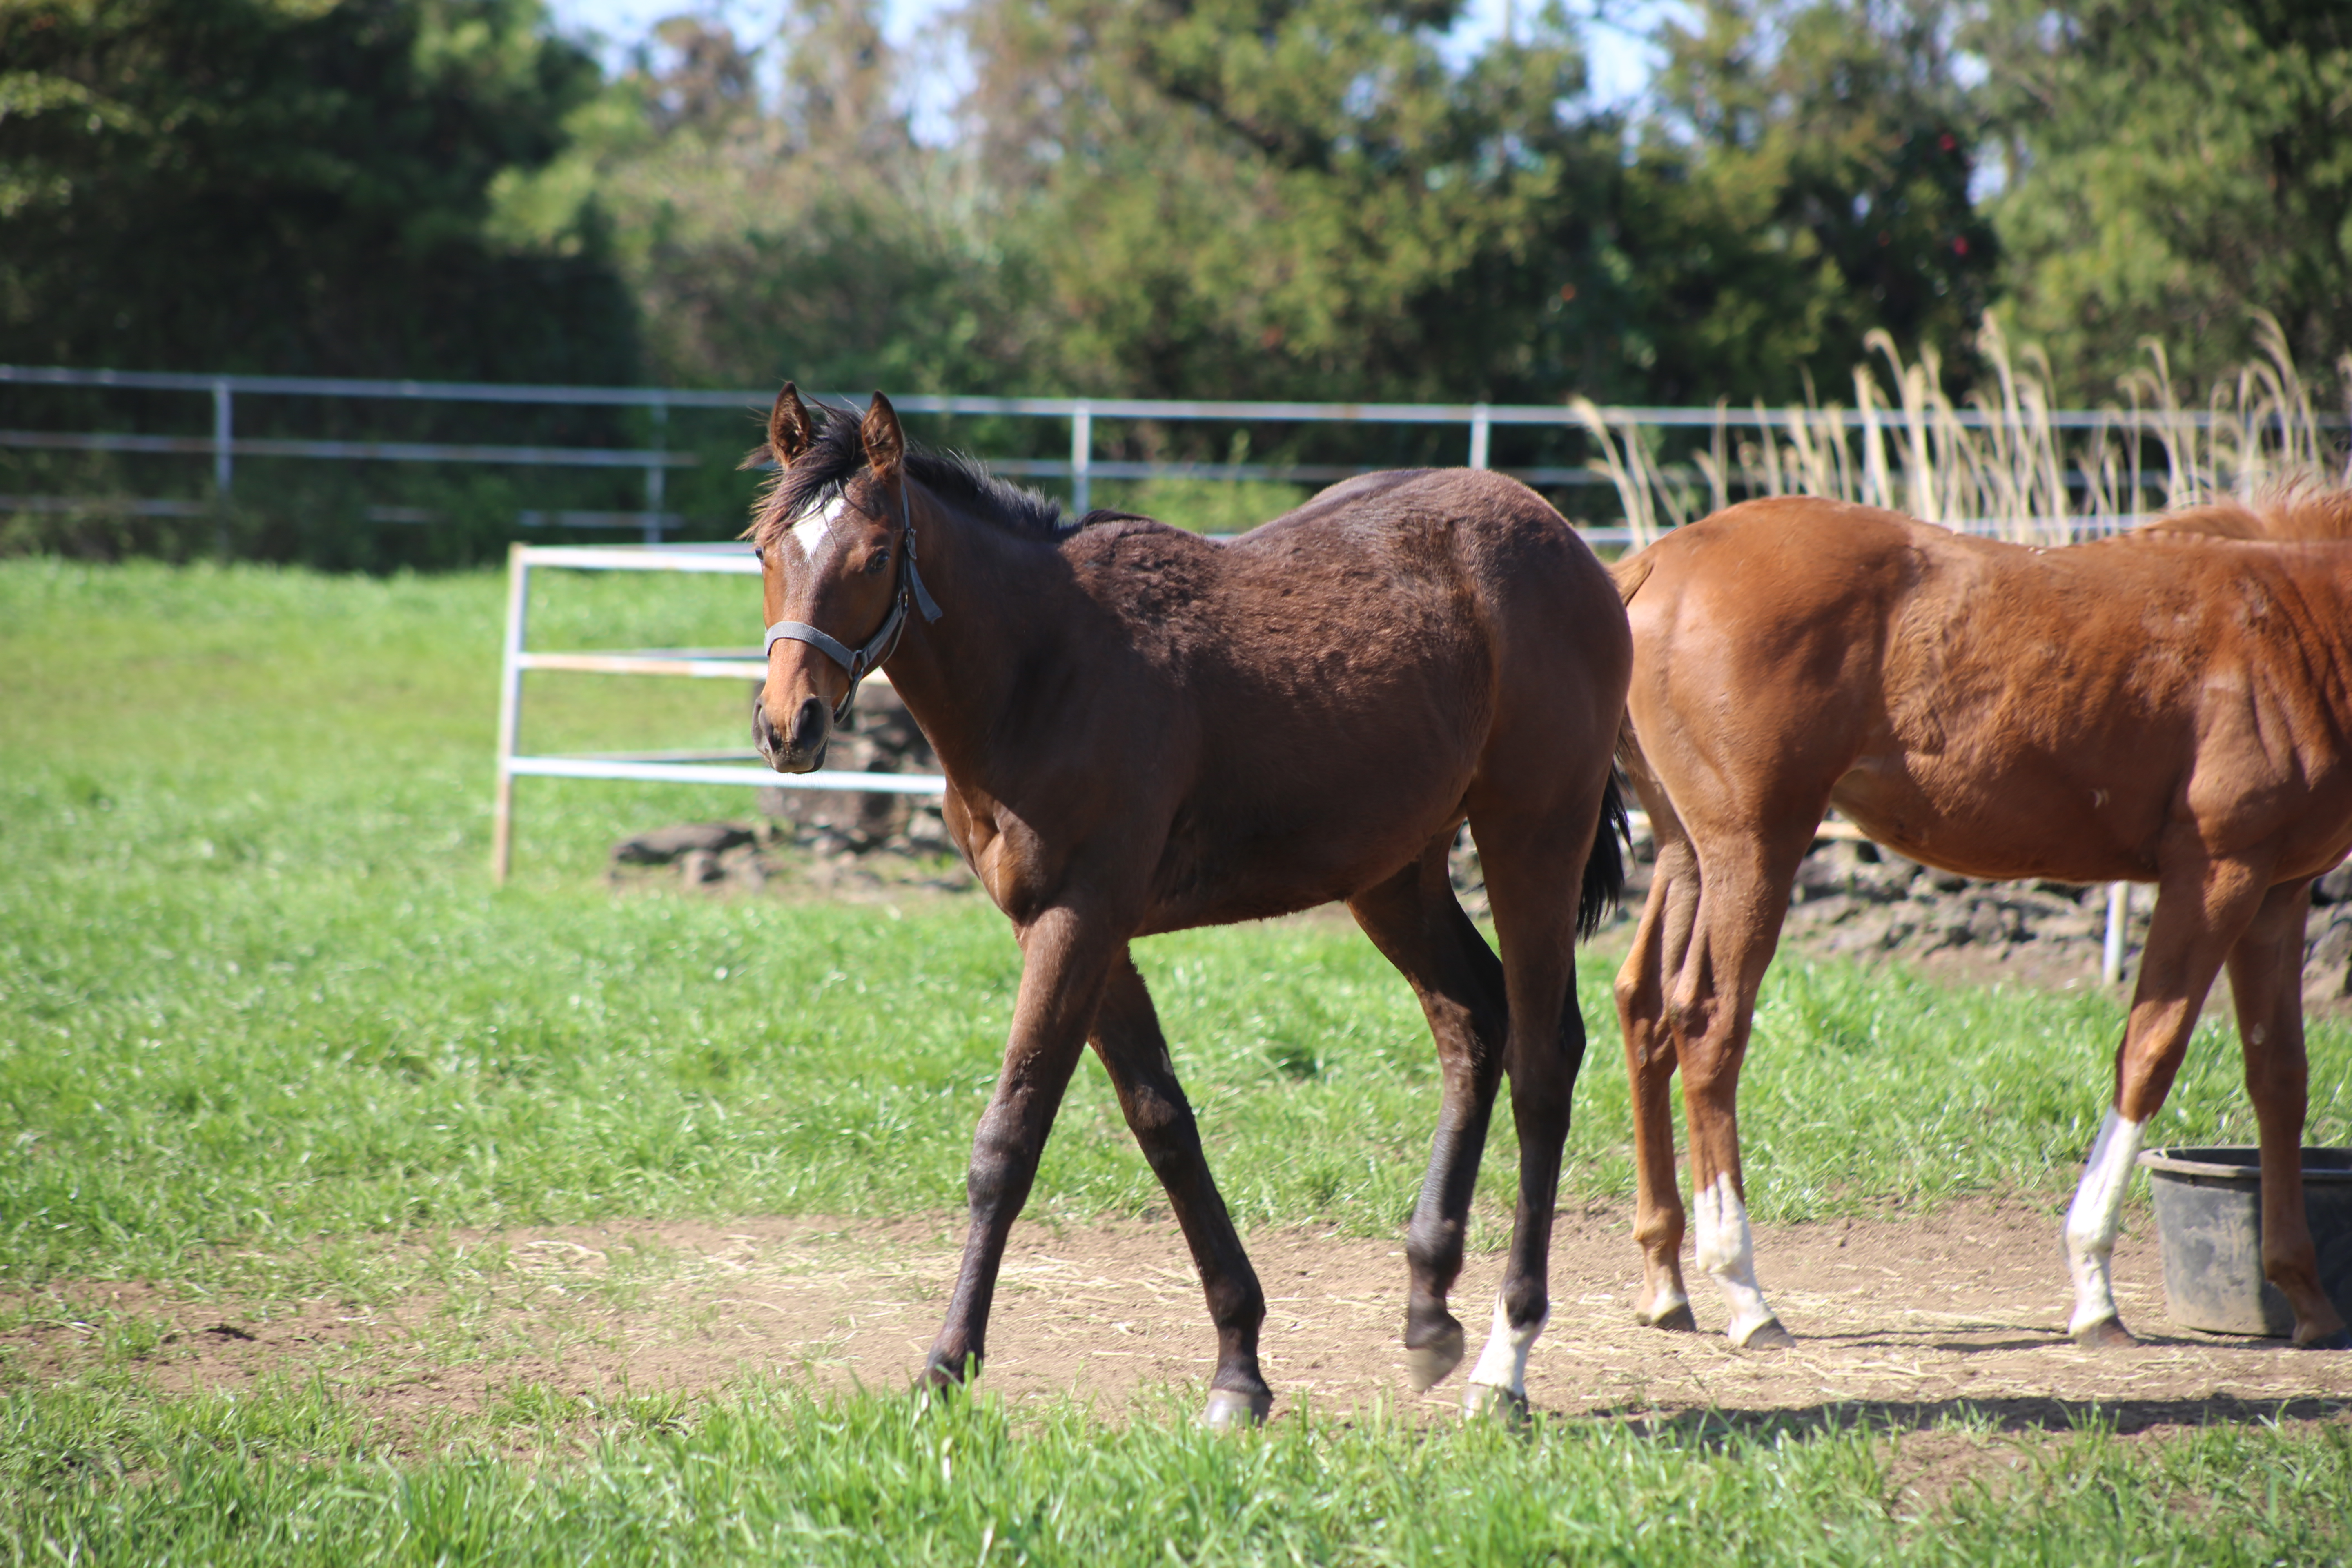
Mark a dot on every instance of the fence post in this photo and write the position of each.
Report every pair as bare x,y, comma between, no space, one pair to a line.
2111,958
224,461
1082,447
1480,425
510,710
655,475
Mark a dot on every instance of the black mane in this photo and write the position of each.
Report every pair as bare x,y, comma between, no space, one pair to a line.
839,453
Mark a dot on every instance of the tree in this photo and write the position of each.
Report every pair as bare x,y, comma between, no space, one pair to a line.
2172,165
1807,182
294,186
1293,198
801,232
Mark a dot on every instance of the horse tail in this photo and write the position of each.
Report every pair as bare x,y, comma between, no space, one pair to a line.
1630,574
1604,869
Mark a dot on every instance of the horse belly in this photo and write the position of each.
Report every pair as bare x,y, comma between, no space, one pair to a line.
1288,831
2003,823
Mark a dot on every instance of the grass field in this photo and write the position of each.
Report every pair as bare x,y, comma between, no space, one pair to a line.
265,1031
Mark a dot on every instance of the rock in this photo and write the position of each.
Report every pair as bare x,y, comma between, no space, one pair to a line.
697,868
664,845
2327,963
2335,888
744,867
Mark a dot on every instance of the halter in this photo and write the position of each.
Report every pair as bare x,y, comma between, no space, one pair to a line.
860,662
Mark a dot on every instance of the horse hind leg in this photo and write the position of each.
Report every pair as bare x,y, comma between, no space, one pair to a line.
1531,871
2266,983
1417,924
1660,944
1134,1052
1713,1009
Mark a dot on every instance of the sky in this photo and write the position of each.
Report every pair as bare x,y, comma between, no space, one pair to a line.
1621,62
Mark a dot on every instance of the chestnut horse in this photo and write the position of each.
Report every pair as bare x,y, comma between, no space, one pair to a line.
1144,731
2172,705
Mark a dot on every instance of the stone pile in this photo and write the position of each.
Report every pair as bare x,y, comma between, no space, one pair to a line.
1851,898
851,837
1860,901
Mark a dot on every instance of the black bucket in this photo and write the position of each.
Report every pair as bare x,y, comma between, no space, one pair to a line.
2208,1225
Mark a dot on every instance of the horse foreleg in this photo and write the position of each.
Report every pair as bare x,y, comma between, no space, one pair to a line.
1416,922
2200,911
1660,942
2266,982
1063,964
1127,1038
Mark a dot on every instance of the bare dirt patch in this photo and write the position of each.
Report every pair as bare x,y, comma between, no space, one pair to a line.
1900,1321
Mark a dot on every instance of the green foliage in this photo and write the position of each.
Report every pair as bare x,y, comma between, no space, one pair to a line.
1807,182
2173,165
292,188
1302,199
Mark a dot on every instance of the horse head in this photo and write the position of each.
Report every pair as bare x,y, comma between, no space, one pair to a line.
834,538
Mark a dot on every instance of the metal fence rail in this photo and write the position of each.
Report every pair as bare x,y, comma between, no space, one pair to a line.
518,659
1081,468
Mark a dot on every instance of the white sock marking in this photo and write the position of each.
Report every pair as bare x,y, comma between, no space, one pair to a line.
1504,1362
1728,1251
817,526
2092,1221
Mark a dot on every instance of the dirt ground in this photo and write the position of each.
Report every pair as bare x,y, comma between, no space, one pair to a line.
1899,1319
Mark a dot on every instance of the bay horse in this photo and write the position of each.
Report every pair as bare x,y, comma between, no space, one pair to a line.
1143,731
2173,705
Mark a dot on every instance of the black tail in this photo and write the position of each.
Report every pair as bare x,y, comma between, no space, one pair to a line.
1605,870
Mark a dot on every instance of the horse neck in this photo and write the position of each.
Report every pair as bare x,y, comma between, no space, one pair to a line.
1000,595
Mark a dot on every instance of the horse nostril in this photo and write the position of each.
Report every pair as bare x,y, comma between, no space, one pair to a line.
809,724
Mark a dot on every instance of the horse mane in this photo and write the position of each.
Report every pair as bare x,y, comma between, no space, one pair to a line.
838,452
2290,514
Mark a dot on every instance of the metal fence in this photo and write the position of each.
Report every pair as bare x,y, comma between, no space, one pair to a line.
1083,466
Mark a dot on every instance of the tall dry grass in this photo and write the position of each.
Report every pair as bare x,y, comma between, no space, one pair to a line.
2007,461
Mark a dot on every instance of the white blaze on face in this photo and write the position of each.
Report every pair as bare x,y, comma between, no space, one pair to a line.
2091,1222
1504,1362
1728,1251
815,526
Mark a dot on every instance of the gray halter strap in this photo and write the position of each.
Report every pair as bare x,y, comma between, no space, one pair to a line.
877,648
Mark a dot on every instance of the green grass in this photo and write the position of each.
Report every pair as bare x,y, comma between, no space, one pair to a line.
288,1475
266,1028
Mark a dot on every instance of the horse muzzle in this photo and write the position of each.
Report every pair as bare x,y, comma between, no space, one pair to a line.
800,749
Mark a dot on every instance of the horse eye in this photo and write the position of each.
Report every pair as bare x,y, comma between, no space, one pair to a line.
876,562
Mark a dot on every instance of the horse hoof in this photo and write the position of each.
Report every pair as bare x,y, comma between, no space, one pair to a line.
1484,1402
2106,1334
2341,1340
1674,1319
1427,1365
939,1375
1768,1335
1228,1409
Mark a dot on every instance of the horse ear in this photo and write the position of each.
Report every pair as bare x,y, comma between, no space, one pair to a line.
885,444
790,430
